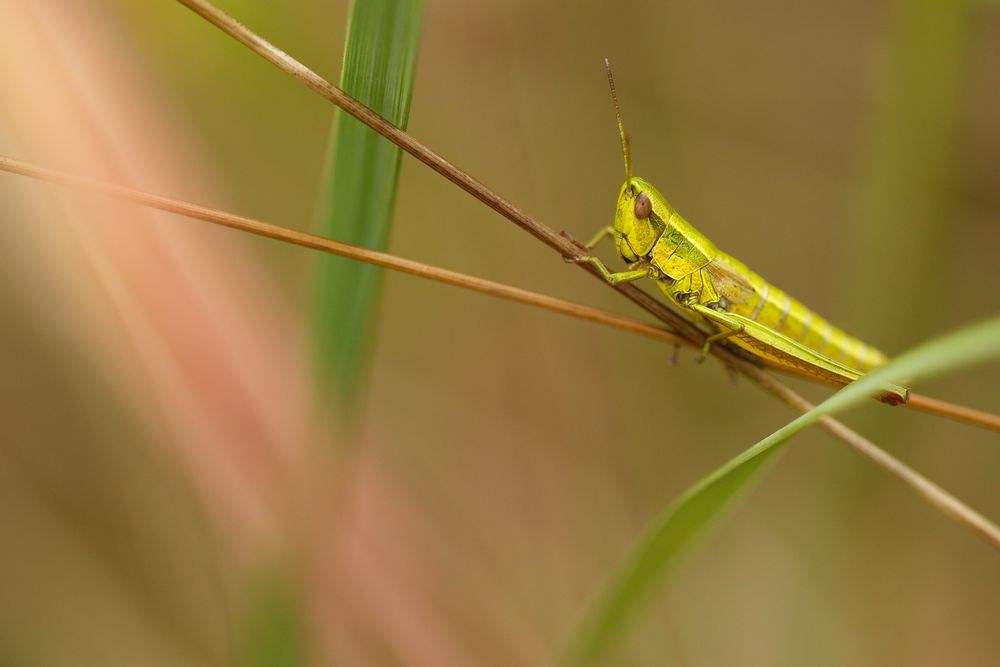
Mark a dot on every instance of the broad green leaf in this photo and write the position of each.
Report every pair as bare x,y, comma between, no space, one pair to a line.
359,192
689,515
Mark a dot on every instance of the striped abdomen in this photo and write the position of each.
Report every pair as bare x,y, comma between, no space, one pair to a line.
774,308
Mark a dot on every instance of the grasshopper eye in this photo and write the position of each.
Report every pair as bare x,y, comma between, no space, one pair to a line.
643,206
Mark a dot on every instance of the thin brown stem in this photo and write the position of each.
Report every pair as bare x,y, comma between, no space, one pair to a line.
928,490
567,248
323,244
958,413
558,242
925,488
455,278
932,406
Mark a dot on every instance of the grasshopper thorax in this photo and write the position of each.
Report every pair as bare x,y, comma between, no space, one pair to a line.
641,217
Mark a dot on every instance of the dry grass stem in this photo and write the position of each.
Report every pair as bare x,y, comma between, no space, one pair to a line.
323,244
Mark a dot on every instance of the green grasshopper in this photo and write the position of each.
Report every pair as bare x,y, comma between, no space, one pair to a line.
706,284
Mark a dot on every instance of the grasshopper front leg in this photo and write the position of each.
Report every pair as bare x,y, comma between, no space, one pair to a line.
612,277
600,236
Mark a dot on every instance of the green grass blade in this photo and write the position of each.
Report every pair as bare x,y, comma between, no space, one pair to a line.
907,213
359,192
689,515
272,633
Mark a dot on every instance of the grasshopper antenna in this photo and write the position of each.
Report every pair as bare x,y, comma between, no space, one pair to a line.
621,127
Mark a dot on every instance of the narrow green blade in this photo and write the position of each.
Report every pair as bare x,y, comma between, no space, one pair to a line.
359,192
686,517
908,214
272,632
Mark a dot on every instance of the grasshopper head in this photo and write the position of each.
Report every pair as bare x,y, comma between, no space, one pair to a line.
642,212
639,219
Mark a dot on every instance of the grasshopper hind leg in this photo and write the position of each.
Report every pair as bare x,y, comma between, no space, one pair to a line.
787,351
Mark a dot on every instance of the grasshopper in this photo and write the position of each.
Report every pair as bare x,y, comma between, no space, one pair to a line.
706,284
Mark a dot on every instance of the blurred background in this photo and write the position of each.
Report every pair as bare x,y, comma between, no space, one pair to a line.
172,494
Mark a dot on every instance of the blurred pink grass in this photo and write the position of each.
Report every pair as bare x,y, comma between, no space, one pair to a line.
184,322
182,317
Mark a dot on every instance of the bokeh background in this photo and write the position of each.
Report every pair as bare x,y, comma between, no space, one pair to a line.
171,492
